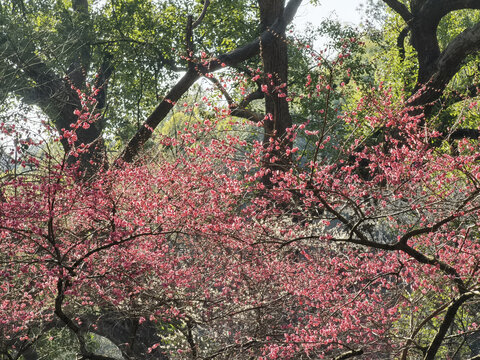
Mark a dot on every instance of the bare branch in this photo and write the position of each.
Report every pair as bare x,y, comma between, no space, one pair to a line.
419,327
401,42
145,132
438,73
430,260
220,88
189,37
246,114
429,229
256,95
440,8
463,133
402,245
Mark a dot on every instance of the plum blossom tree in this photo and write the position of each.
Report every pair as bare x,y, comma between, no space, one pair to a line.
322,263
364,250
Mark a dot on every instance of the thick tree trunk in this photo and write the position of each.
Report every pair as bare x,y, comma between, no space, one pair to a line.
53,92
277,115
60,109
436,67
275,62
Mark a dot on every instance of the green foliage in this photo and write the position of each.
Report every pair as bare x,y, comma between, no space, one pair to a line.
143,41
397,71
454,23
329,79
147,47
60,344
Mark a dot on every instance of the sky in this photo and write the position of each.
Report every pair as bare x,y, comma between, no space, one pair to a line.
345,10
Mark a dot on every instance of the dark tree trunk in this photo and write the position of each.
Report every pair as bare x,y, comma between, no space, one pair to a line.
275,61
53,92
275,66
60,108
436,67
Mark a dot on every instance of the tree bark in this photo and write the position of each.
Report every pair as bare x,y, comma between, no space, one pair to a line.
53,92
436,67
437,73
275,64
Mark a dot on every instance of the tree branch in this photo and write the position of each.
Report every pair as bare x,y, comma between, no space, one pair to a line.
46,81
62,285
202,15
419,327
463,133
189,38
446,66
446,323
124,331
256,95
443,7
81,59
237,109
145,132
251,49
220,88
430,260
101,83
349,354
401,42
400,9
402,245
